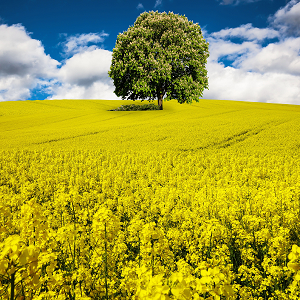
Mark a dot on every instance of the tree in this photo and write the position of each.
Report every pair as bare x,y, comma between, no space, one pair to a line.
161,54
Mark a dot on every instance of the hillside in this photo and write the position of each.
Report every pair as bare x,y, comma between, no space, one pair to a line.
207,125
192,202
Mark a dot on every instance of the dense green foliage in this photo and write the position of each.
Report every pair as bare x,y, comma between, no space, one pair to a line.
162,54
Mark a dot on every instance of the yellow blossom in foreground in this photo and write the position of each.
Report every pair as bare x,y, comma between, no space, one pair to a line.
206,206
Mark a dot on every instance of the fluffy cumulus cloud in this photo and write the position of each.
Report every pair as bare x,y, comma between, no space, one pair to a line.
247,32
97,90
282,57
287,19
235,84
25,67
268,73
24,64
85,76
79,43
85,68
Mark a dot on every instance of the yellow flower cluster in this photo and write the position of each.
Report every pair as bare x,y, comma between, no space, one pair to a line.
294,265
196,201
112,225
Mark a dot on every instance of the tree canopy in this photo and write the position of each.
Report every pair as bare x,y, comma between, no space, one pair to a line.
161,54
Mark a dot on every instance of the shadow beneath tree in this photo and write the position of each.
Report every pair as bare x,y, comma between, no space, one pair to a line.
133,107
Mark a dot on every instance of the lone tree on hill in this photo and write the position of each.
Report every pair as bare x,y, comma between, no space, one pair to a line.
161,54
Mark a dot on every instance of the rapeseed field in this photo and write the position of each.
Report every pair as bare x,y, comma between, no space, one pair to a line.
196,201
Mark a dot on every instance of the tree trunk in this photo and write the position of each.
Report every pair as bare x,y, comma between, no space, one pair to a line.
160,99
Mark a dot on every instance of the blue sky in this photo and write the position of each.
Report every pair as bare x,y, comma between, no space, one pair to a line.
61,49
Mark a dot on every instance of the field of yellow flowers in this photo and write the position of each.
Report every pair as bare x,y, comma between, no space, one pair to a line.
196,201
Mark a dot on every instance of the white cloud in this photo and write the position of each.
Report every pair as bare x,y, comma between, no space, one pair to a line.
87,67
236,2
15,87
78,43
157,3
140,6
228,83
282,57
85,76
98,90
22,63
25,66
219,48
256,73
247,32
287,19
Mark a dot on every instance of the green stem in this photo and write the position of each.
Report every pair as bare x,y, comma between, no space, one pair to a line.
33,231
152,242
74,253
105,257
74,245
209,251
139,252
12,286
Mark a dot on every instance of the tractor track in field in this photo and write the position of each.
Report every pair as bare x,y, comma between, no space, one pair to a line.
69,137
236,138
